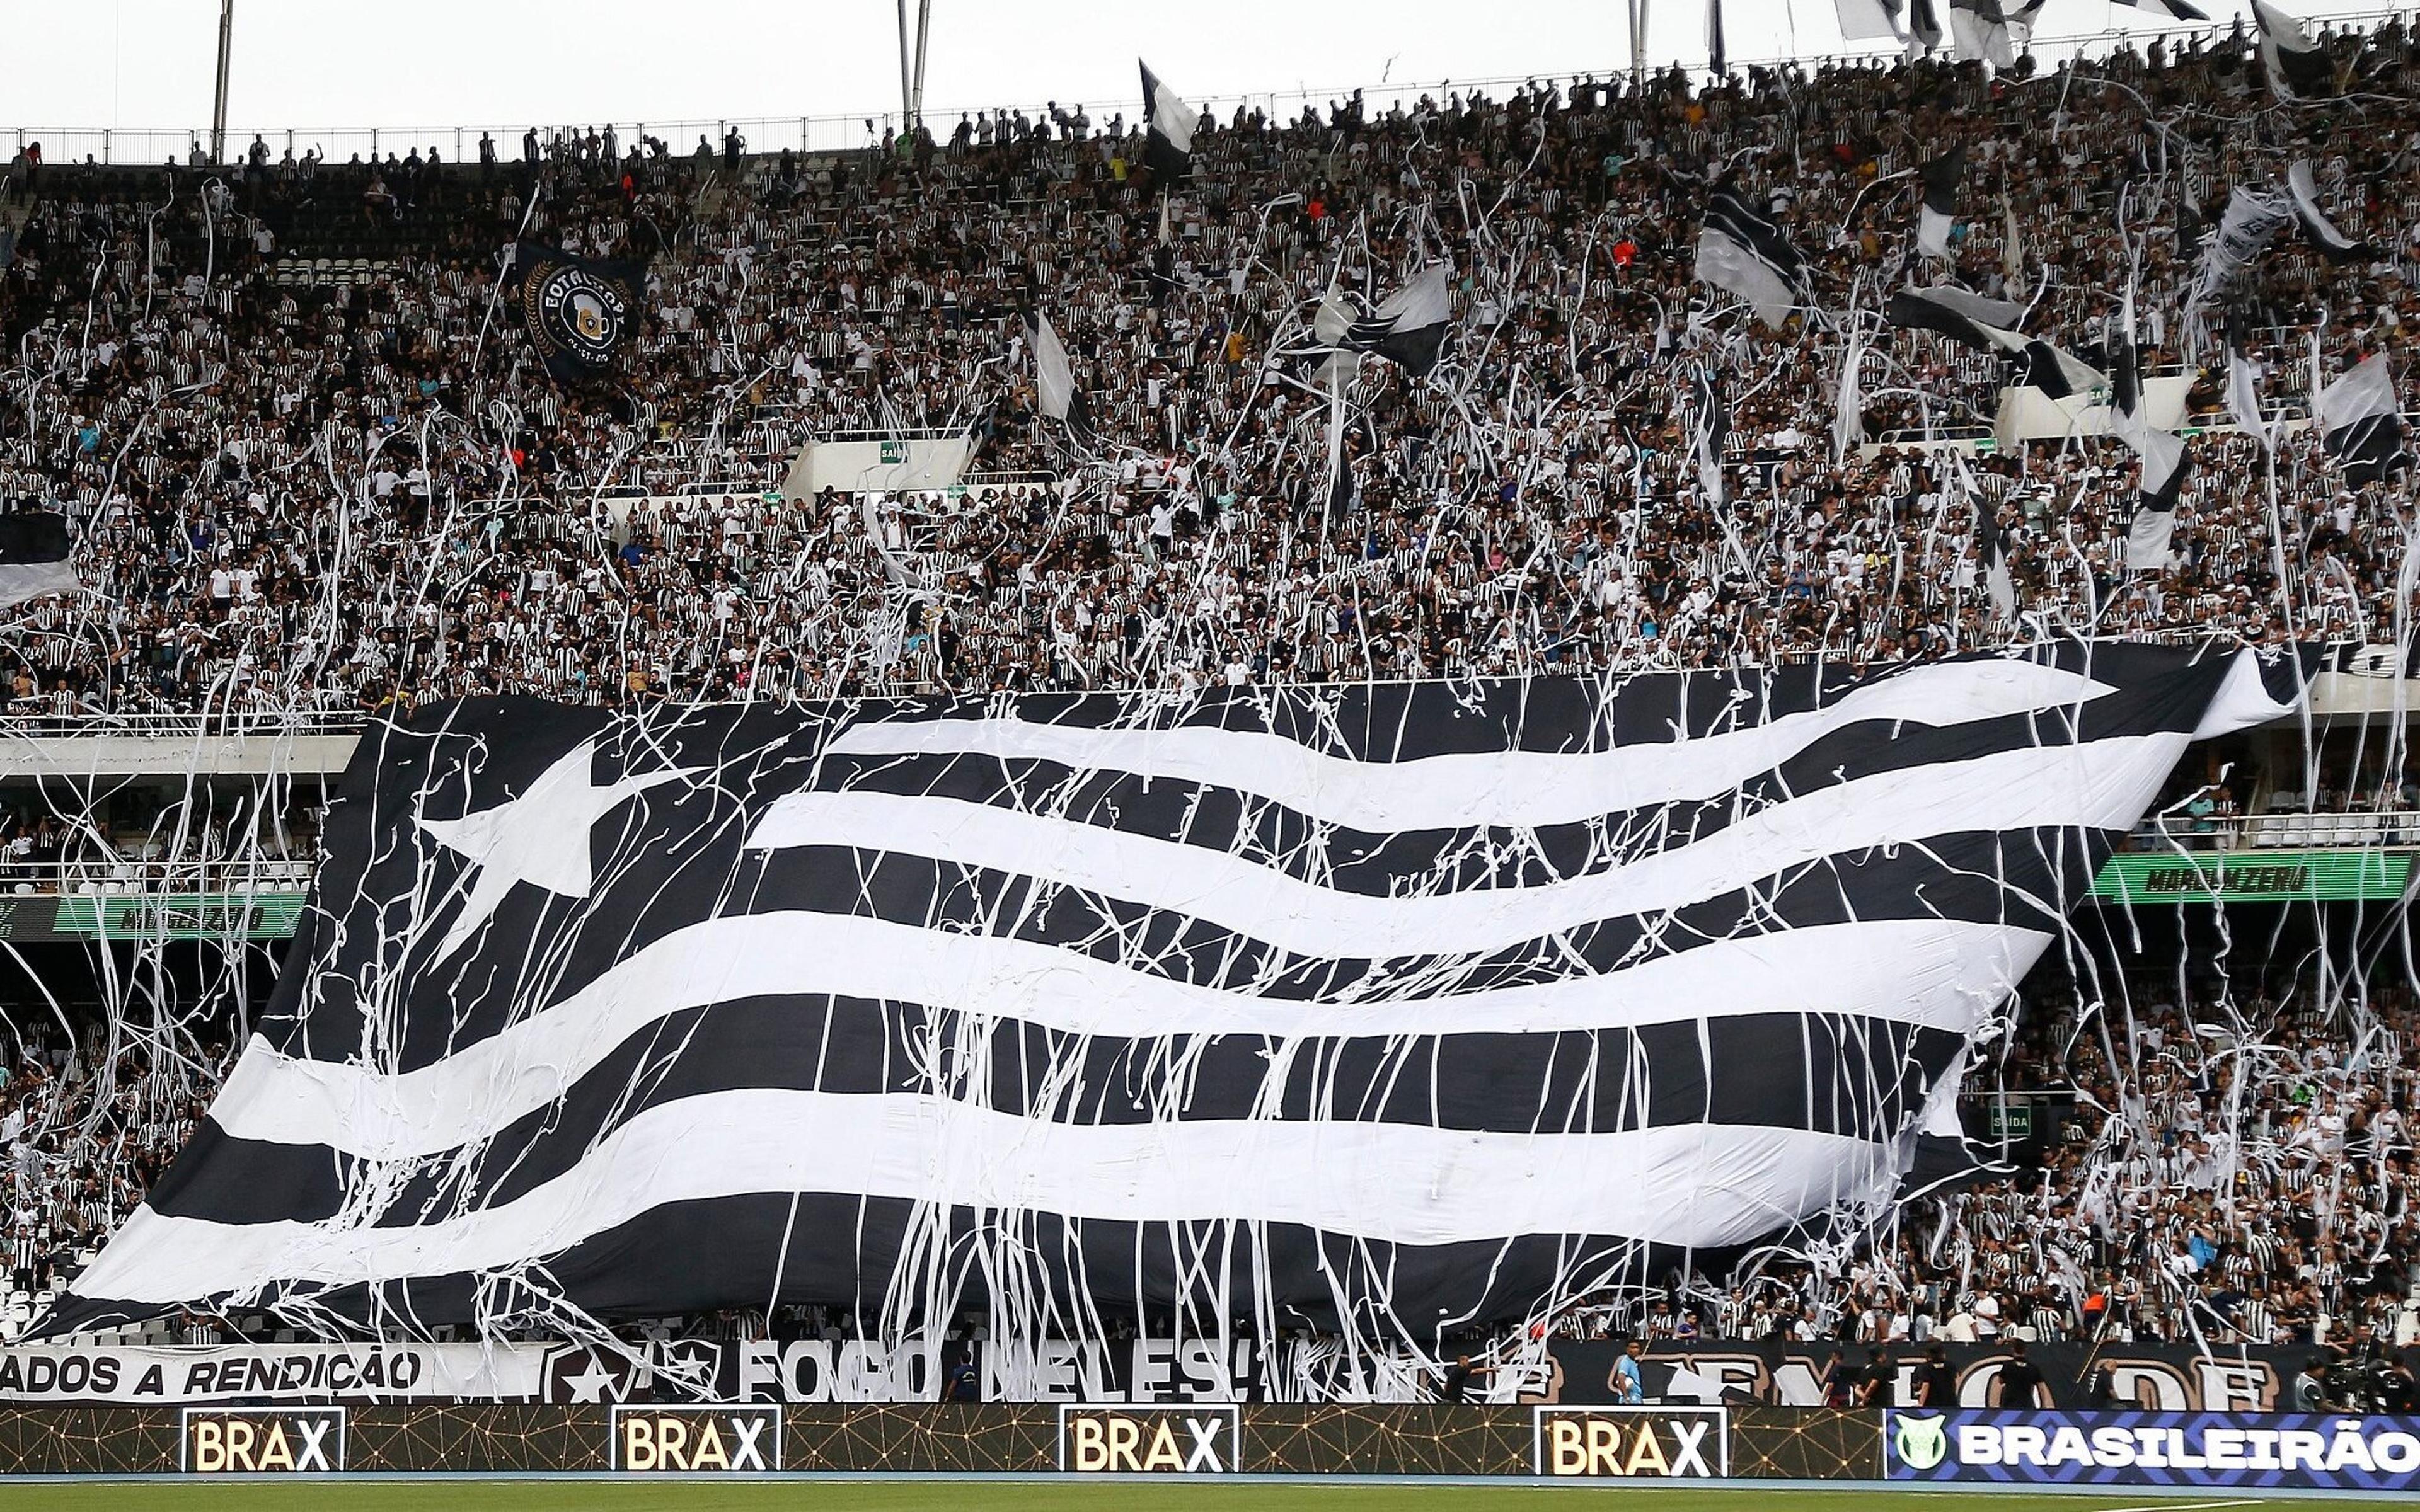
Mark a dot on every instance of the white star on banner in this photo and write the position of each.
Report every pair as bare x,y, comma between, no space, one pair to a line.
540,837
591,1385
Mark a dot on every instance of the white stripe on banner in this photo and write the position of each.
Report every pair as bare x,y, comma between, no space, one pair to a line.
1697,1184
1512,788
2103,785
1937,974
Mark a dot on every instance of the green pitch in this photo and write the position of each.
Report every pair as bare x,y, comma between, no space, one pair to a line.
1130,1496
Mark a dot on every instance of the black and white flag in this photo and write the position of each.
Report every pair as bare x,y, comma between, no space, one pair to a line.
2150,531
1938,211
1924,35
1352,1007
1409,328
1983,323
2320,231
1744,253
1992,31
1054,379
2252,220
2243,382
580,311
2173,10
2058,372
1992,548
1168,128
1719,58
1710,429
34,557
2298,67
1862,18
2362,423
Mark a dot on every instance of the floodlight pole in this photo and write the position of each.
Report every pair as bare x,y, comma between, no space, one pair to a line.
911,65
217,107
1638,41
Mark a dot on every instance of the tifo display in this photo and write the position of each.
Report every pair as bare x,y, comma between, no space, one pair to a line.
1696,777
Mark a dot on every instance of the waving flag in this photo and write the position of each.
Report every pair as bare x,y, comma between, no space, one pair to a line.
1938,211
1991,31
1370,1004
2253,218
2361,422
2298,67
1054,378
2243,373
1744,253
2320,231
1168,128
1409,328
1974,319
2153,524
34,556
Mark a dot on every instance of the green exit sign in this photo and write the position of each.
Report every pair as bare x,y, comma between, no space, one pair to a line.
894,452
2009,1121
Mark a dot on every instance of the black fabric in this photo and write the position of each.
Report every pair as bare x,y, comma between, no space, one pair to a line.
30,537
580,311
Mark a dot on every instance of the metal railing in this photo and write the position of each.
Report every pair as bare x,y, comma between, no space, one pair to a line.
2389,830
252,723
115,876
852,131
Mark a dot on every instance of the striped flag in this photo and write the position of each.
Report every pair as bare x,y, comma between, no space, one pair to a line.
1385,1007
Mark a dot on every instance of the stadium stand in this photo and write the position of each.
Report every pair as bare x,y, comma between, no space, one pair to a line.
248,389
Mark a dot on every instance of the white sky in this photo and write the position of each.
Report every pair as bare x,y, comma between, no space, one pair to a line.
442,63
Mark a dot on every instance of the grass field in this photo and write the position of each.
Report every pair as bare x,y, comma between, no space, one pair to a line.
1129,1496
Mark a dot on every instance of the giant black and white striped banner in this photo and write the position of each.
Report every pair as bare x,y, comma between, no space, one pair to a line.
1377,1007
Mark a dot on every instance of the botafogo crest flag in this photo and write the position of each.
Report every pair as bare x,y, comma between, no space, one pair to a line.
580,311
1342,1007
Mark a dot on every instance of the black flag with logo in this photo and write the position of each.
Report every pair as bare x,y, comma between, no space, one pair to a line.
578,312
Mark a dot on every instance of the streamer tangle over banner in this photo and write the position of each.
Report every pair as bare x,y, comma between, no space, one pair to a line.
1358,1008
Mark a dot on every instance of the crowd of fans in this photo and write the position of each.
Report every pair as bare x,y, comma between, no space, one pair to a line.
2234,1171
300,486
297,492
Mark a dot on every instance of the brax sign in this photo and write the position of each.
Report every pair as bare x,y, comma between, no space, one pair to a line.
263,1441
1174,1441
1631,1443
695,1440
